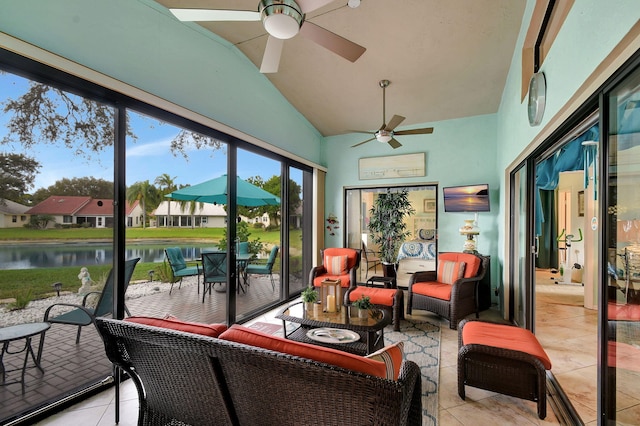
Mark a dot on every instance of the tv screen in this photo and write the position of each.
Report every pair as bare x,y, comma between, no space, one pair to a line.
469,198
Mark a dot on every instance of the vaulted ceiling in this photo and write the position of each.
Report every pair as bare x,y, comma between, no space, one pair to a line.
445,59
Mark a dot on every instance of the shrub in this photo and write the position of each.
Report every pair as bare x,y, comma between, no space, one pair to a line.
22,300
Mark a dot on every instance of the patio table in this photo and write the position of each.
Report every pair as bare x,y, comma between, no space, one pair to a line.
19,332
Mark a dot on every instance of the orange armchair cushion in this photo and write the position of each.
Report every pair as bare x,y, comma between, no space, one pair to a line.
342,251
336,265
344,279
433,289
505,337
449,272
472,262
248,336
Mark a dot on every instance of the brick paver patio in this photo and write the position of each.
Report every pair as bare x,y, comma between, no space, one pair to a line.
69,367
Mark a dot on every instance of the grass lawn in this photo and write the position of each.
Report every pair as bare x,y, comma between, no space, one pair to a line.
19,282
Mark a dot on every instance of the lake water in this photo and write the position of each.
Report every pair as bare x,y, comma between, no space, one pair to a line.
28,256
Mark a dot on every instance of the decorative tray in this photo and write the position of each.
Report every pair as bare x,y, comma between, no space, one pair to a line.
333,335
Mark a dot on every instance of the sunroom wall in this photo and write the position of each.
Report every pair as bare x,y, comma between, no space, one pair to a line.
162,56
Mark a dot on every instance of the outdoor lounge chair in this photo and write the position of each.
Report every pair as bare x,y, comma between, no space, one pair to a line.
83,315
214,267
264,268
179,266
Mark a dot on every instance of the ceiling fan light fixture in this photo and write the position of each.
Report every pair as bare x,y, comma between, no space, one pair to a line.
281,19
383,136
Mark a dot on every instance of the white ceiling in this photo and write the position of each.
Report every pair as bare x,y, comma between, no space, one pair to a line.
445,58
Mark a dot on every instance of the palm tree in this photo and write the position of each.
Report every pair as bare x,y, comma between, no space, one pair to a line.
167,185
144,192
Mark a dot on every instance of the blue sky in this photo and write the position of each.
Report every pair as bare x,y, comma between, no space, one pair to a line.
147,157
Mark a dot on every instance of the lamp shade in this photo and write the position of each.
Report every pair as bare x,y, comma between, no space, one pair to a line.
281,20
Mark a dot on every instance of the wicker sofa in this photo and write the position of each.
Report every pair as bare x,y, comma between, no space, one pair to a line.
187,378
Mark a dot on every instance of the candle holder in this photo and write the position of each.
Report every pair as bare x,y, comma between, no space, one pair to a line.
330,293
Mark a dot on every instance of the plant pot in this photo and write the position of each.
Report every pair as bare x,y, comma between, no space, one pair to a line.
389,269
308,306
317,308
363,313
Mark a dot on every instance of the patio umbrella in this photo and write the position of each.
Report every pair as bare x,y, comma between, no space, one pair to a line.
215,191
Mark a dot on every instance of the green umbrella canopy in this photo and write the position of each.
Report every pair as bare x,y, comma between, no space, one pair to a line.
215,191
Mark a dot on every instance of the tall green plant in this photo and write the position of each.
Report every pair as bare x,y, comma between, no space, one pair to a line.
387,222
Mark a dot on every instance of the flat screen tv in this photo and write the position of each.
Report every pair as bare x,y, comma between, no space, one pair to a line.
468,198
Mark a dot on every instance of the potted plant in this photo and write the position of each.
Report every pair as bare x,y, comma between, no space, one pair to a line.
387,226
309,296
363,304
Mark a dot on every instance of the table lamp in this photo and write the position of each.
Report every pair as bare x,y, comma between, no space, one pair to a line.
470,229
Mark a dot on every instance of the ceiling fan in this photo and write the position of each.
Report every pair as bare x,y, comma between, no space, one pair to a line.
386,133
282,19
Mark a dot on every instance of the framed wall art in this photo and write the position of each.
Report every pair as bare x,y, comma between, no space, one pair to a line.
394,166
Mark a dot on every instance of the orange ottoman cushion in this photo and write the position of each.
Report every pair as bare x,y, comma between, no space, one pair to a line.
378,296
505,337
248,336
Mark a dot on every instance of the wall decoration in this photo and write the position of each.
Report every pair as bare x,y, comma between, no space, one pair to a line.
394,166
580,203
332,224
429,205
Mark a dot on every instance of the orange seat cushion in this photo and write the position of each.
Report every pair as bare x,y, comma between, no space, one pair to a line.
378,296
248,336
472,262
505,337
433,289
344,279
623,312
211,330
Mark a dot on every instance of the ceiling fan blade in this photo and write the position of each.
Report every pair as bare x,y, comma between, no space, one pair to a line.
215,15
271,57
395,121
425,131
360,131
310,5
333,42
393,143
363,142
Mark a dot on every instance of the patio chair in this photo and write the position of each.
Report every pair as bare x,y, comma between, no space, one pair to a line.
179,266
83,315
264,268
369,257
214,268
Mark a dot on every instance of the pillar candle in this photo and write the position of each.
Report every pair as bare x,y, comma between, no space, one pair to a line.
331,303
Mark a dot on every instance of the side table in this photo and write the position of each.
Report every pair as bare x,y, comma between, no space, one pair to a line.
387,282
19,332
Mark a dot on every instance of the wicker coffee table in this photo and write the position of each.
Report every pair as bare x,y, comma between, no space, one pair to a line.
369,330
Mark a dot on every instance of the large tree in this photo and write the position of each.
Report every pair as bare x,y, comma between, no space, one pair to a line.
83,186
17,173
167,185
147,194
46,115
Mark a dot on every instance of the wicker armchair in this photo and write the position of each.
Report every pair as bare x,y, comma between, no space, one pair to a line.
346,276
185,378
452,301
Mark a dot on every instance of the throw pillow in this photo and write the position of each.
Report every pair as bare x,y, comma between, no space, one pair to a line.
427,234
171,322
335,265
392,357
449,272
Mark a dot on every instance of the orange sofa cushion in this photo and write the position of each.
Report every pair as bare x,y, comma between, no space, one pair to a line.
239,334
392,357
378,296
211,330
433,289
505,337
472,262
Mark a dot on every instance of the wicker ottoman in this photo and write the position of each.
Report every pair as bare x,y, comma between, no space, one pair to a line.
383,298
502,358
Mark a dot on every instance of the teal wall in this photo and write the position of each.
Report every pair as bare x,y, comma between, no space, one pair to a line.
459,152
142,44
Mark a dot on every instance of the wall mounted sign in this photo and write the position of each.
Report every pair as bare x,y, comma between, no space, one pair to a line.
393,166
